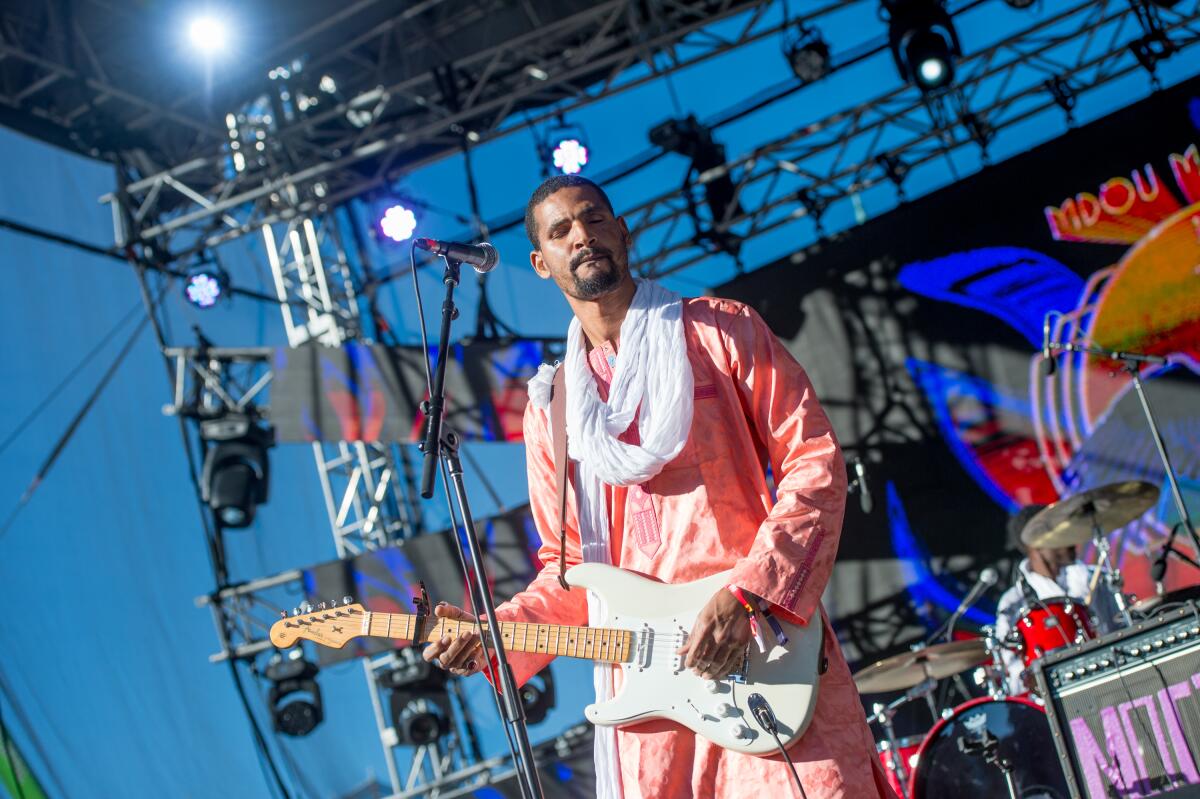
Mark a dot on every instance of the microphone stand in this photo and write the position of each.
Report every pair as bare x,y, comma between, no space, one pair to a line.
1132,364
441,443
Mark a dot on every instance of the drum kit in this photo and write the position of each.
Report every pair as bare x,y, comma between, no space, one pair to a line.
1000,744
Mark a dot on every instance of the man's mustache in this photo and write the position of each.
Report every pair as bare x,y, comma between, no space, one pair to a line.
584,255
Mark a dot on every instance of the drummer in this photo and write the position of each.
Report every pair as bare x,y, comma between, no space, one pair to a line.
1050,572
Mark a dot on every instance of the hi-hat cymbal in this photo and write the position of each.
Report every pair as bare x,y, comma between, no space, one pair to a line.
1150,605
903,671
1071,521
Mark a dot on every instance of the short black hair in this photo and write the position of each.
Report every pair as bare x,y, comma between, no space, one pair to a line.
550,186
1017,523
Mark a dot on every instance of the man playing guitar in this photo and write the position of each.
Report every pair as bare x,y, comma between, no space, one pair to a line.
673,409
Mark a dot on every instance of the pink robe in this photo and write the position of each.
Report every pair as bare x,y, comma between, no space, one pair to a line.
709,510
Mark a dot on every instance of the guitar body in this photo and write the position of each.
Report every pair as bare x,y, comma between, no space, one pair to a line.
656,684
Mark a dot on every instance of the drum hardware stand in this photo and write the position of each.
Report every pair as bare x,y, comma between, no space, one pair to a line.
987,747
441,444
994,674
1112,575
885,714
1132,364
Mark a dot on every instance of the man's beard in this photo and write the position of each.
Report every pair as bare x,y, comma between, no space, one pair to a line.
599,283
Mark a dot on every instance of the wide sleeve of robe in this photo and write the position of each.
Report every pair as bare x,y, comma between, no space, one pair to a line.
794,549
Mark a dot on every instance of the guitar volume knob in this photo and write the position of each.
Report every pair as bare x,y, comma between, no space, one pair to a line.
742,732
726,710
714,687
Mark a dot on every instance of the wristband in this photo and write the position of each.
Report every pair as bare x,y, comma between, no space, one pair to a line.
741,598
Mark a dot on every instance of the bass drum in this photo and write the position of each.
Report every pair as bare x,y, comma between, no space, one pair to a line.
943,771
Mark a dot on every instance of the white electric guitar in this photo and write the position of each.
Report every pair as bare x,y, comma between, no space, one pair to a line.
646,622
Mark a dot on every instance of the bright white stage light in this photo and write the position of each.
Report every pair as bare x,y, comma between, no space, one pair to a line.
932,70
207,34
570,156
398,223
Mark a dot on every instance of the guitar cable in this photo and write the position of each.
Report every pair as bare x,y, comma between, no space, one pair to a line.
766,719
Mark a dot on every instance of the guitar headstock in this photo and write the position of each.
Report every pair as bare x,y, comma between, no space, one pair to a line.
332,626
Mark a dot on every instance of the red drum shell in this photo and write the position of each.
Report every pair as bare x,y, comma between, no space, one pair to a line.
907,749
1052,624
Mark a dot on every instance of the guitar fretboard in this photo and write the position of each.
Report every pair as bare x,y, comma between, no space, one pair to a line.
591,643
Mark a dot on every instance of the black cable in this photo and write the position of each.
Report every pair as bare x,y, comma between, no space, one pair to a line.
766,719
22,425
6,693
40,476
8,754
46,235
216,557
454,525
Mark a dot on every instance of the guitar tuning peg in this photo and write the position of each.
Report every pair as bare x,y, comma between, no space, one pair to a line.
346,600
295,611
321,606
283,614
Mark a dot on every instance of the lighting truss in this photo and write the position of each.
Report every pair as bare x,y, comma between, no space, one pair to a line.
835,159
211,381
546,70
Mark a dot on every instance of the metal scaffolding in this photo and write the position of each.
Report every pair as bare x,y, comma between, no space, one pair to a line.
545,73
835,159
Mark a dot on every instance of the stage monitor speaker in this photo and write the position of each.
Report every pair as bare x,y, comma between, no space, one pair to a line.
1125,709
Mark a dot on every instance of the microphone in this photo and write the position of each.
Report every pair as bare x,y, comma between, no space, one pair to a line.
1158,569
987,578
1027,593
864,491
1047,356
482,257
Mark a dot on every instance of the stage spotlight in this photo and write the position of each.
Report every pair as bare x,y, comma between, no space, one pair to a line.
807,53
570,156
418,722
419,702
207,34
923,42
690,138
205,284
538,696
1152,48
294,679
398,223
236,469
1064,96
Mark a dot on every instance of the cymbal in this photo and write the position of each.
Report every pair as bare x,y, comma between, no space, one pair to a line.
1149,605
1069,521
903,671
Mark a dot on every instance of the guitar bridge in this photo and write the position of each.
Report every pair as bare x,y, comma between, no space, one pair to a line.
741,675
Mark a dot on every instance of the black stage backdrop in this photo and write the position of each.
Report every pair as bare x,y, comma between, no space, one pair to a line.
918,329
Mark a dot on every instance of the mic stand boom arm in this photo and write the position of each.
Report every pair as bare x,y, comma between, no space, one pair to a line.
441,443
1132,363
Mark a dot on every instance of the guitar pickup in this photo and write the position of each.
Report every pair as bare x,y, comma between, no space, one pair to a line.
645,646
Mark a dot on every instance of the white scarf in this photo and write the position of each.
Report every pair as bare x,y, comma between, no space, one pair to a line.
652,381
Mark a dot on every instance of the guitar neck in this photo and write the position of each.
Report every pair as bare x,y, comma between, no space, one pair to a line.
601,644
